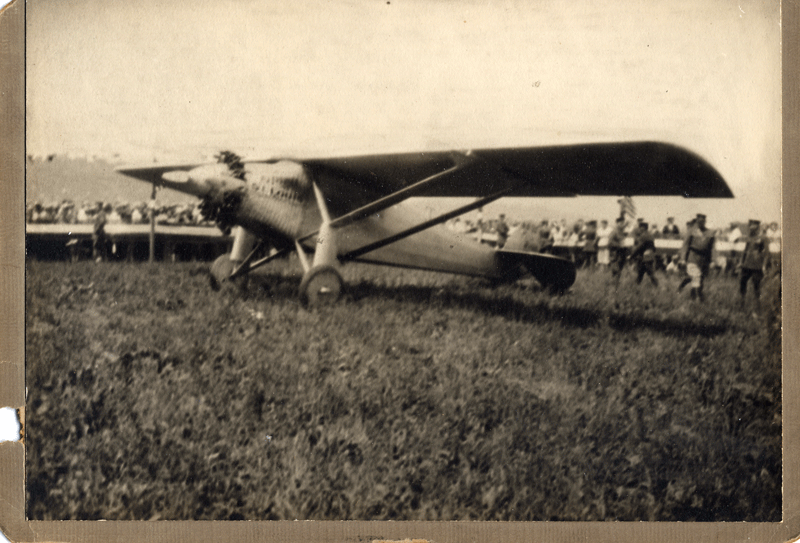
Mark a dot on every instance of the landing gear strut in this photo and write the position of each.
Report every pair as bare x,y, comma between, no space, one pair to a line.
321,284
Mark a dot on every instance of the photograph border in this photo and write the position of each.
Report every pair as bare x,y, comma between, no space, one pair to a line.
12,371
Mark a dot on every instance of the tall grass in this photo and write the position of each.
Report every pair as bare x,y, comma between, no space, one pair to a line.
419,396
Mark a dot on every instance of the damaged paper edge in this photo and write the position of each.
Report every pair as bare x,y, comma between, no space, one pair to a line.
11,424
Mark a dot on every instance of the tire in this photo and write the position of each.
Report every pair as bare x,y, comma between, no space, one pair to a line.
221,271
321,286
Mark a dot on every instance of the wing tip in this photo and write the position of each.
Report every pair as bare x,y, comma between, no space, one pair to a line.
699,177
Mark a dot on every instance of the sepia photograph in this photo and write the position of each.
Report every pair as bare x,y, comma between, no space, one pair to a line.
410,260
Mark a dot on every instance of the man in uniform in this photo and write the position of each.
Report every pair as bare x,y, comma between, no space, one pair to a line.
644,253
685,279
616,248
754,257
696,252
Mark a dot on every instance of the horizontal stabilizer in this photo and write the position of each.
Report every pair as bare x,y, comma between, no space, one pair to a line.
552,272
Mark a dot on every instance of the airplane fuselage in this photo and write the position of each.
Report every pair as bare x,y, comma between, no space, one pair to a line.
278,204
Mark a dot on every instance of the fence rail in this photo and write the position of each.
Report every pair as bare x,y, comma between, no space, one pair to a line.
126,242
131,242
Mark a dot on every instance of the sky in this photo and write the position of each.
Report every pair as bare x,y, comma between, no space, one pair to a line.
177,81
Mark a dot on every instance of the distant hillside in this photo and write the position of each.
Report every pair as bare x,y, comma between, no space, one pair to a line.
61,178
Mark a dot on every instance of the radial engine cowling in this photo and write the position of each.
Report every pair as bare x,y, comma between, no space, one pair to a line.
276,199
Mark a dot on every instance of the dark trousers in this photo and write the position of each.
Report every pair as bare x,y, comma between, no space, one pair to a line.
746,275
99,242
645,267
617,263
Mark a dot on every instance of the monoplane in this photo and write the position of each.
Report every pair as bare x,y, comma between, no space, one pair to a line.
355,208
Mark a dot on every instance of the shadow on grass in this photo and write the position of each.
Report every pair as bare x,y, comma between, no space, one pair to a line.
498,304
668,326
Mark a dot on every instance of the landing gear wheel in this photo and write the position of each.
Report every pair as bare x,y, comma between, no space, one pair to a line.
221,271
556,277
321,285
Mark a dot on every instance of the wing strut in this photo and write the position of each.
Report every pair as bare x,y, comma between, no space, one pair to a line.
425,225
461,160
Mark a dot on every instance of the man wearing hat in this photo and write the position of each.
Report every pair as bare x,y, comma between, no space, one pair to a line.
644,253
696,252
616,248
754,257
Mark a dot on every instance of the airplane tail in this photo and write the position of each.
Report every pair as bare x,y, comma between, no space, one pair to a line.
554,273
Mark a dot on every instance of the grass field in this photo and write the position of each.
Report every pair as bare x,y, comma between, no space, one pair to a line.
419,396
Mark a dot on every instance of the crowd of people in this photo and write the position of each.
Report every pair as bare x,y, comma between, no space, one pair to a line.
751,250
102,214
68,212
590,234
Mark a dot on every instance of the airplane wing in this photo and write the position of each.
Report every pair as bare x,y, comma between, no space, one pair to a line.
606,169
360,184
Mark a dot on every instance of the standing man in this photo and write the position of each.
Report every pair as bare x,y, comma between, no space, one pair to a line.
753,259
696,252
589,238
99,233
685,279
545,243
502,231
616,248
773,234
603,233
644,253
